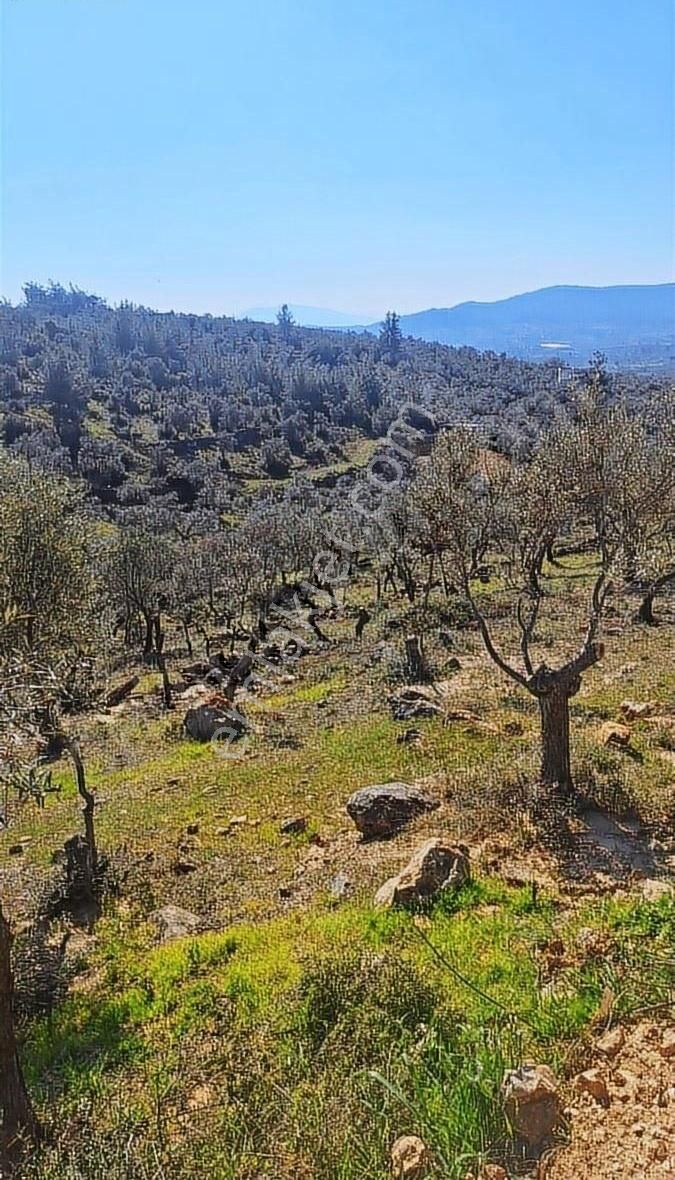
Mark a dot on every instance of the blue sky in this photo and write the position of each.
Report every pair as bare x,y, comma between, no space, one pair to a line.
212,156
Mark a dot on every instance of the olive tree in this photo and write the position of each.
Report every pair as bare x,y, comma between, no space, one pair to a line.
48,548
28,693
52,652
18,1121
650,501
140,571
579,478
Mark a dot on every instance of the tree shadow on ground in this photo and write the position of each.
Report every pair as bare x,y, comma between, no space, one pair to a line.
586,841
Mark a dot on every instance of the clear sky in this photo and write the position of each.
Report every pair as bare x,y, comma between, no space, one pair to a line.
353,154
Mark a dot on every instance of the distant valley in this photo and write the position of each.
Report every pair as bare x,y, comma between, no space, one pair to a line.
634,326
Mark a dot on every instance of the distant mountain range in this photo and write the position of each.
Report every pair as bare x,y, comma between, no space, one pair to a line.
633,325
307,317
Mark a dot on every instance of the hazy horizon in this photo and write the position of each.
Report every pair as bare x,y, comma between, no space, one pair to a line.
268,313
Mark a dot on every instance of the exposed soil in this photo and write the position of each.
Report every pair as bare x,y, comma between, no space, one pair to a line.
632,1138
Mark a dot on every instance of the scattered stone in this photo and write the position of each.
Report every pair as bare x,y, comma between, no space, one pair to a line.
173,922
469,717
659,1150
15,850
118,694
409,735
532,1102
214,677
513,728
667,1049
202,1097
434,866
197,669
614,734
654,890
206,722
294,826
410,1158
592,1082
189,845
237,821
593,943
182,867
635,711
612,1042
383,809
340,886
409,703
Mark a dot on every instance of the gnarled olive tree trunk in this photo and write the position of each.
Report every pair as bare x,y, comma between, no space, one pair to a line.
84,860
554,689
645,613
556,765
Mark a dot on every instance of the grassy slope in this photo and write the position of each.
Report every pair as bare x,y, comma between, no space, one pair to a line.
303,1046
303,1034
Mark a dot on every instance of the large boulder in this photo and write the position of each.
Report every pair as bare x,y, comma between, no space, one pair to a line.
383,809
214,720
434,866
532,1103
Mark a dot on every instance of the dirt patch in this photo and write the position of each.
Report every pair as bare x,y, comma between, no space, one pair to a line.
633,1137
615,846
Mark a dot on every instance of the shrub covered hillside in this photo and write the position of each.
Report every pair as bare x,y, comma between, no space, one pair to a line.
198,410
337,803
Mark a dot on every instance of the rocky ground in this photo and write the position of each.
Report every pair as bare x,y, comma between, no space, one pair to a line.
279,853
622,1113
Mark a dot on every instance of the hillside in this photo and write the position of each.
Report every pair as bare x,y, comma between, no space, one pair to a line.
276,1024
337,757
633,325
206,412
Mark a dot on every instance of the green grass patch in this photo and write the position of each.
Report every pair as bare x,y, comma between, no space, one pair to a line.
364,1022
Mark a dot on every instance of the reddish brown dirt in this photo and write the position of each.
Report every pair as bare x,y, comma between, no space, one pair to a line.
633,1138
